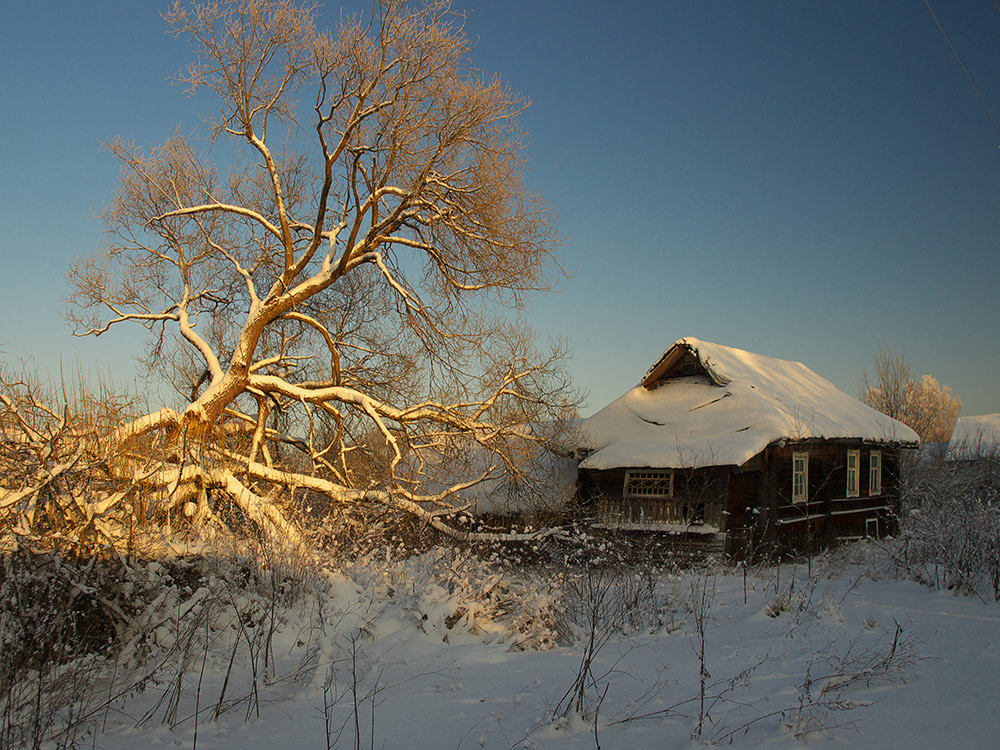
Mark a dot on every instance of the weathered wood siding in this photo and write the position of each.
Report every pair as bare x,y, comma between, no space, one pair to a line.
699,499
752,505
827,514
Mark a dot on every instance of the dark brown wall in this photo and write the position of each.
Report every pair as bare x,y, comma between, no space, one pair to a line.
754,504
828,513
708,486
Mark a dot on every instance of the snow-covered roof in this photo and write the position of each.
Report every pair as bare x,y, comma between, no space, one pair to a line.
735,404
975,437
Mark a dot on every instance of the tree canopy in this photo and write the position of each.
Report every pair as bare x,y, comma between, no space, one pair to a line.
922,404
332,280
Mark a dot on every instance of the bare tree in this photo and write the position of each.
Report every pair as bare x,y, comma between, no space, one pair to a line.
885,389
923,405
339,303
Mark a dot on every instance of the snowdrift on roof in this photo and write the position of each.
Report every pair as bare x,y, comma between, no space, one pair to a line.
975,437
747,402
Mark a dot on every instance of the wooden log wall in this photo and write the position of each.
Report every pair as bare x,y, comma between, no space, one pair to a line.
699,497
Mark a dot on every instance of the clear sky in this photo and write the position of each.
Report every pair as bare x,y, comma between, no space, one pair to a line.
800,179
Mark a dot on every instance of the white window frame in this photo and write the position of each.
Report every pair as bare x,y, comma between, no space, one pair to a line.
800,477
853,488
873,528
648,483
875,473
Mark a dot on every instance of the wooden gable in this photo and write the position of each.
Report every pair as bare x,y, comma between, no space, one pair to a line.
679,361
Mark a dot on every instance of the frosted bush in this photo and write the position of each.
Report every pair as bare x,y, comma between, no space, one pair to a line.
461,593
950,531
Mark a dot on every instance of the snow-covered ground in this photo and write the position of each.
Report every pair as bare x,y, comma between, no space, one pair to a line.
443,651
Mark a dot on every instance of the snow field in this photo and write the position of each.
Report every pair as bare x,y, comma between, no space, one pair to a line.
445,650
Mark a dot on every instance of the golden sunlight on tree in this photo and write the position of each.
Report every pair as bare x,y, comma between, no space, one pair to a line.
326,300
924,405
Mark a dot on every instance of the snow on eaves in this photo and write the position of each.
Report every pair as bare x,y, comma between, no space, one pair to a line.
750,401
975,437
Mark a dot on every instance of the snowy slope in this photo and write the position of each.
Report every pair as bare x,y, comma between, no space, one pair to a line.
751,401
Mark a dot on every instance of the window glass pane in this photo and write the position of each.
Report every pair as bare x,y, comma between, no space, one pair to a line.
800,477
875,473
649,483
853,459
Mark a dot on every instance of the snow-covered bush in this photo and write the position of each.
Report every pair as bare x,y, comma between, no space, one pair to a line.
54,623
78,635
466,593
950,530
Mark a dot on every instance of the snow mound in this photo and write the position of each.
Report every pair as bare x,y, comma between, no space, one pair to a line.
975,437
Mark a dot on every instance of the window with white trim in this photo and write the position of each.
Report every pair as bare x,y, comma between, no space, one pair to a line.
853,466
875,473
649,483
800,477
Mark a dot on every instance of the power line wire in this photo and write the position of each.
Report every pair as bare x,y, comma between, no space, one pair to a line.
979,96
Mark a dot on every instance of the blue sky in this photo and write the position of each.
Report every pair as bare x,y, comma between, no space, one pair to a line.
803,180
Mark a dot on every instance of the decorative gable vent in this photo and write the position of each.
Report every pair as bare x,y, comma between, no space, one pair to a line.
680,361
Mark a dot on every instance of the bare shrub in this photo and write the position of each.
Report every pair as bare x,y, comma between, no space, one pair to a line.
607,600
950,526
888,659
79,636
594,597
363,702
59,481
701,601
55,627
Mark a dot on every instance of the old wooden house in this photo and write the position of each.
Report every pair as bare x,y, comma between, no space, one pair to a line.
727,450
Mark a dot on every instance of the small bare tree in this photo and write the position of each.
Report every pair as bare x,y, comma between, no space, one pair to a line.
923,405
336,304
